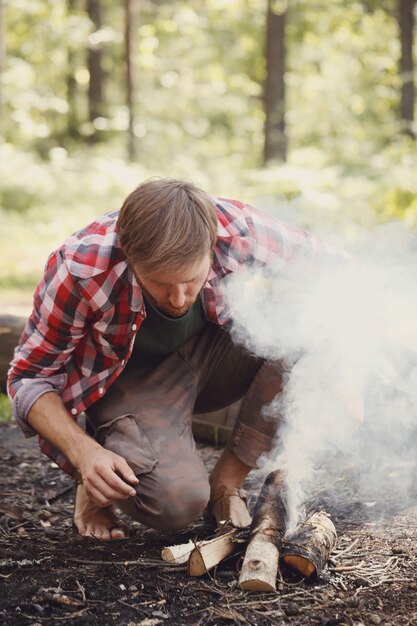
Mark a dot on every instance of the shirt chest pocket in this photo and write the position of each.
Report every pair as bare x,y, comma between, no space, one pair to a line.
112,346
111,339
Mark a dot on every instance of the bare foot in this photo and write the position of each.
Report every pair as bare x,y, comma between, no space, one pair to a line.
92,521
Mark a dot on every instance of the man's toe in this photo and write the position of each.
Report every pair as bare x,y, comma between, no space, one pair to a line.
117,533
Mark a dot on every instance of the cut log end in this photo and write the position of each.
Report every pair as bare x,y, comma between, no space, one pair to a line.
300,564
208,554
196,564
256,584
307,549
177,554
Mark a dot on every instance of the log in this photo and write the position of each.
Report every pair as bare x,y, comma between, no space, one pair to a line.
208,554
307,549
260,564
11,328
179,554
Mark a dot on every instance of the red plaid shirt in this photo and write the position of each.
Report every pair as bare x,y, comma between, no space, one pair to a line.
88,307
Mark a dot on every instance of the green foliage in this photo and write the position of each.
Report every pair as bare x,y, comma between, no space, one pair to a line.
5,409
199,71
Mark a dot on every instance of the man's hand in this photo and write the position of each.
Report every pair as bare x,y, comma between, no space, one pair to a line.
106,477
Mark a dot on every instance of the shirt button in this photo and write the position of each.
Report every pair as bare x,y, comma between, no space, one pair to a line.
74,411
134,327
101,391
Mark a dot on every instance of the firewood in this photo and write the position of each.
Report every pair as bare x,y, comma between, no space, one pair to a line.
180,553
309,546
208,554
260,565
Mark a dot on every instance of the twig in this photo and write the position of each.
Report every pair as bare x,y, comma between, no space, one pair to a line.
28,521
348,549
55,618
346,568
82,590
149,563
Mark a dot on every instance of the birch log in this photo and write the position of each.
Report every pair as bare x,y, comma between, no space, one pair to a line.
260,565
208,554
309,546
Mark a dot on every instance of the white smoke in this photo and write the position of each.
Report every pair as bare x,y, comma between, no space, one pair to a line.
348,334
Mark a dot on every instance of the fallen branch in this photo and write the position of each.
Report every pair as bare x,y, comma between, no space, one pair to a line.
58,599
260,565
308,547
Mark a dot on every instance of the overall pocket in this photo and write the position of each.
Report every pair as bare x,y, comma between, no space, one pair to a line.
124,437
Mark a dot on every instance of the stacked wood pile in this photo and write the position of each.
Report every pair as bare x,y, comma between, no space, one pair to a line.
305,550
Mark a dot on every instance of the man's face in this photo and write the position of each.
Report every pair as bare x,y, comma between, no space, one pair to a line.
174,291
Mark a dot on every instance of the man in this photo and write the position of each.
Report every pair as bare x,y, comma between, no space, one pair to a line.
131,325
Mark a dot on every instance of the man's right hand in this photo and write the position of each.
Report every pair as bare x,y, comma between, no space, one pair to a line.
107,477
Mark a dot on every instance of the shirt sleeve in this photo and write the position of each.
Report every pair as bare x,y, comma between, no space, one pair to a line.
53,330
275,244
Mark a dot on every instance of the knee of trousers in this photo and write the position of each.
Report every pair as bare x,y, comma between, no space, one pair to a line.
168,508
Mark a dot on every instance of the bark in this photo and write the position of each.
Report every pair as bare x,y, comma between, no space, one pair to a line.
72,119
95,66
208,554
406,26
260,565
178,554
10,330
2,60
275,146
308,548
130,30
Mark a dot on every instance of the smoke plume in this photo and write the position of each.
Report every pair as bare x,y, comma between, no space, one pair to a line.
347,333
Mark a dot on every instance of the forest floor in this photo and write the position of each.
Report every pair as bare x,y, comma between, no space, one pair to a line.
50,576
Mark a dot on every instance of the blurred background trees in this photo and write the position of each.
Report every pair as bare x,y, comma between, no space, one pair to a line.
406,27
306,106
218,70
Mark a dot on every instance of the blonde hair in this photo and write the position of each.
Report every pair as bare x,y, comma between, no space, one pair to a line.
167,223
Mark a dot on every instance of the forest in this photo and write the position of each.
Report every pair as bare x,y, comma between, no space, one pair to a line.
297,106
305,109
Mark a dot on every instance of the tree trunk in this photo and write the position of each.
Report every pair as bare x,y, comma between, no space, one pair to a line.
275,147
406,25
72,118
2,59
130,32
10,330
95,66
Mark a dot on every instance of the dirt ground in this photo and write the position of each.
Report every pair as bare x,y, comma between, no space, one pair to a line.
50,576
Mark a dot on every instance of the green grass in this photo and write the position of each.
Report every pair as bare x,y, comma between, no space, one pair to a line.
5,409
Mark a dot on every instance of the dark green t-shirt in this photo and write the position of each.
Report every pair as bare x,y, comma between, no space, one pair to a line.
160,335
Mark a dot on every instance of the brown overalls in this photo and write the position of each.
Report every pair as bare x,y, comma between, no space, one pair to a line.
146,418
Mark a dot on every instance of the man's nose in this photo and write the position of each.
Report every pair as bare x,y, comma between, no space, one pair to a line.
177,296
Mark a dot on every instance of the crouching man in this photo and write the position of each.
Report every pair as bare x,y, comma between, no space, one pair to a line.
130,325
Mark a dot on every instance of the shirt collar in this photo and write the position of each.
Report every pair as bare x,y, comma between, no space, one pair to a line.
135,292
